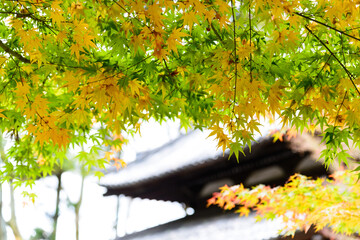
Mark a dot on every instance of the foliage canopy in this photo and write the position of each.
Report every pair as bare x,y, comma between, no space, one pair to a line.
78,70
301,202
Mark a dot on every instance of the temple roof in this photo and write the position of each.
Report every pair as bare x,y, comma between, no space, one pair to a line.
223,226
183,169
220,226
186,151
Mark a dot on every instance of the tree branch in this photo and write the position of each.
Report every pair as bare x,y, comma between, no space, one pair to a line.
338,111
13,53
351,77
251,78
217,33
337,30
235,56
12,223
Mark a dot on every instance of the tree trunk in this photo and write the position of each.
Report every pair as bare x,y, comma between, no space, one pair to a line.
57,206
12,222
2,221
117,216
77,207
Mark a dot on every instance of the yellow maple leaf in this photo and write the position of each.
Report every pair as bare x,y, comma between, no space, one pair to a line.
169,4
155,14
56,13
223,6
41,160
209,15
22,88
135,87
2,115
100,98
189,19
17,24
137,6
60,137
138,42
175,39
274,99
88,41
2,60
75,50
76,8
72,81
41,105
108,155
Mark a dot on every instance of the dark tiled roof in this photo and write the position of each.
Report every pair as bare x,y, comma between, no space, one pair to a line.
188,150
223,226
182,169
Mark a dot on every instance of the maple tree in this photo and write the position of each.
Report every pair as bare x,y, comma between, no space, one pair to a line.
78,71
301,202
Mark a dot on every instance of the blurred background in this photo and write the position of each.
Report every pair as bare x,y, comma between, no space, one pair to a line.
163,191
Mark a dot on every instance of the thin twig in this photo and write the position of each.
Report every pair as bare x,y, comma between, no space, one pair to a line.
323,68
114,75
338,111
342,48
173,80
324,24
235,56
217,33
351,77
251,78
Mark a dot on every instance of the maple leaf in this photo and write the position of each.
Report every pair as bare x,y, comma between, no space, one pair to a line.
72,81
41,160
223,6
22,89
118,163
155,12
209,15
169,4
212,82
175,39
41,105
278,135
56,13
291,133
75,50
60,137
135,87
189,19
76,8
137,42
243,211
2,115
137,6
88,41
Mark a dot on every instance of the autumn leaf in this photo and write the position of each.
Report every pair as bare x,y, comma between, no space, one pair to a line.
189,19
2,115
175,39
66,66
